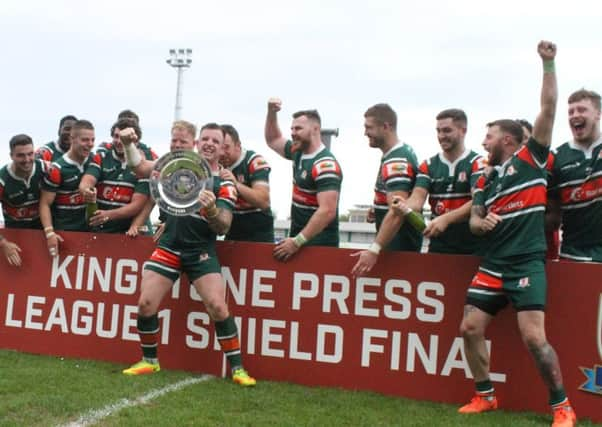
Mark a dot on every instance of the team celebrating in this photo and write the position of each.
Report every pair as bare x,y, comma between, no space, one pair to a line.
506,208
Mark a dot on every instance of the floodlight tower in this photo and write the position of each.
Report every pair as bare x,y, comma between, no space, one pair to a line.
180,59
327,134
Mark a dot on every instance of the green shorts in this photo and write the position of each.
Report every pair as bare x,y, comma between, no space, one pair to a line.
523,284
170,263
581,254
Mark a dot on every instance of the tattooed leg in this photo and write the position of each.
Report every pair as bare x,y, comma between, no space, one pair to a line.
531,325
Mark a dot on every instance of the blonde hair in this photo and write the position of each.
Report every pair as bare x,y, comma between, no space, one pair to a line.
185,126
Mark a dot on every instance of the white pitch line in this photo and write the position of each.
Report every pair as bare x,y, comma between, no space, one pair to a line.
96,415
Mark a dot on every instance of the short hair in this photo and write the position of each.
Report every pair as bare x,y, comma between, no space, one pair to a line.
213,126
230,130
81,125
125,123
310,114
382,113
511,127
64,119
185,126
526,124
458,116
128,114
582,94
20,139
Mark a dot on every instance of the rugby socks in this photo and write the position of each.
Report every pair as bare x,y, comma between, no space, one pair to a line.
558,398
227,335
148,330
485,389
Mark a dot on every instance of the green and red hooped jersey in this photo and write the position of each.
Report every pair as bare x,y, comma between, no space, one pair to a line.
20,197
312,174
192,232
68,209
576,180
450,186
115,187
250,223
397,172
149,153
516,191
50,151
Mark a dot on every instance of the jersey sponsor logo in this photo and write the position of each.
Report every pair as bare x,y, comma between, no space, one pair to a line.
258,163
392,169
529,197
115,193
69,199
441,206
324,167
22,212
586,191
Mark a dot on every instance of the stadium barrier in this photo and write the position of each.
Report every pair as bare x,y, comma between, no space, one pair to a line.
307,321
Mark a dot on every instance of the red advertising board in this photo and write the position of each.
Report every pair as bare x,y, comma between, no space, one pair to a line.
307,321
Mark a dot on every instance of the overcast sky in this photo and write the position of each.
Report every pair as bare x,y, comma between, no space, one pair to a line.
95,58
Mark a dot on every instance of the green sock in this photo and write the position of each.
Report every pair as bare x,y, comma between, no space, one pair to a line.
227,335
557,396
148,330
484,387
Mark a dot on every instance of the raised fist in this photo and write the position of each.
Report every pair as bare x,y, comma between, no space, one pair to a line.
274,105
547,50
127,136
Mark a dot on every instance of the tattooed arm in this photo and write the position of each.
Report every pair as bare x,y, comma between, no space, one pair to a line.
482,222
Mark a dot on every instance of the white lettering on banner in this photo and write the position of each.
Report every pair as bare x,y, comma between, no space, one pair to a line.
331,295
196,322
124,278
294,347
251,328
600,327
83,317
452,361
8,319
362,295
300,292
367,298
429,362
129,323
259,287
175,289
268,337
437,305
337,355
405,303
376,341
32,312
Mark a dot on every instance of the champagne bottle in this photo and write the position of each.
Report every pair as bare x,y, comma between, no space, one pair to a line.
91,207
415,219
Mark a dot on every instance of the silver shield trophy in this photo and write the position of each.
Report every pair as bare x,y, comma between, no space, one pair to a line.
177,180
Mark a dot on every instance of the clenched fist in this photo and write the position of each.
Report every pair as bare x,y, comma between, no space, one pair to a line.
127,136
274,105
